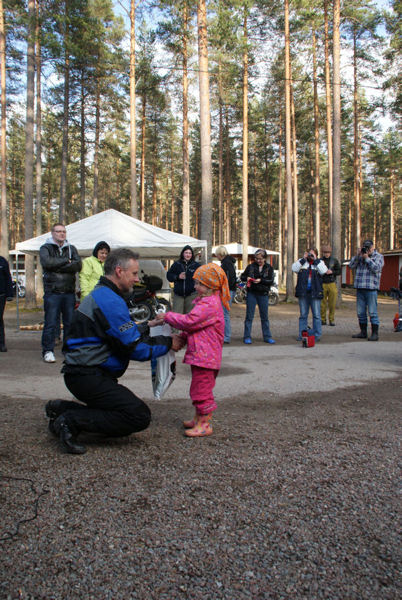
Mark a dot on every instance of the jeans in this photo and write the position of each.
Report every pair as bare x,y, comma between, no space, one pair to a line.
366,300
306,302
226,314
53,305
183,304
252,301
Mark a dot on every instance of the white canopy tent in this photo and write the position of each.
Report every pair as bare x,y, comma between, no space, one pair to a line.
119,231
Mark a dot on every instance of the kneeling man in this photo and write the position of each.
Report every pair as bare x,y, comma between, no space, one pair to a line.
100,343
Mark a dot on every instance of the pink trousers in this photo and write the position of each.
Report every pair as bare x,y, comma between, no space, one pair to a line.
202,384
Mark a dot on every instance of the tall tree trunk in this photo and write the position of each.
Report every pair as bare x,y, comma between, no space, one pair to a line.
82,151
280,206
356,174
228,220
66,102
391,211
294,174
96,149
38,162
186,163
220,158
317,221
30,298
245,229
154,190
329,122
288,172
4,221
375,211
336,209
205,128
142,174
133,146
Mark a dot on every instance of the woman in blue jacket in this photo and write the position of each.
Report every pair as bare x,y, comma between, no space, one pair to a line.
181,275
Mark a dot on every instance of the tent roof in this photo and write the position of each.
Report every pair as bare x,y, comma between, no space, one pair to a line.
119,231
237,249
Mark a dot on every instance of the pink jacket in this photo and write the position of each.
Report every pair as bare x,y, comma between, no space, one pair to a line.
203,329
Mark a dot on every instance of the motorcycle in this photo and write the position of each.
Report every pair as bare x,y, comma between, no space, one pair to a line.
18,286
143,303
241,293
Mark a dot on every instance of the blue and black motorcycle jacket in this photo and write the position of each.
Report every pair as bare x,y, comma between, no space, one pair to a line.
103,336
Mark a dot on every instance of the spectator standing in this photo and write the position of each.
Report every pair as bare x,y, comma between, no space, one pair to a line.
93,268
259,276
60,263
309,290
330,290
6,293
181,275
228,265
368,264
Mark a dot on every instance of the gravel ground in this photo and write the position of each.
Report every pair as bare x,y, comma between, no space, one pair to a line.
292,497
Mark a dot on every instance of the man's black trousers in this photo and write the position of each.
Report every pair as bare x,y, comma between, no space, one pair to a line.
111,408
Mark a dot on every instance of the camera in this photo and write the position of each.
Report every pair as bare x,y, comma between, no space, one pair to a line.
365,250
311,256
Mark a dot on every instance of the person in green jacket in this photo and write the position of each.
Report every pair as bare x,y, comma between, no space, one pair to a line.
93,267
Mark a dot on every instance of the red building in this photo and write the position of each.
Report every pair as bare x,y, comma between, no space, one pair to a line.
389,275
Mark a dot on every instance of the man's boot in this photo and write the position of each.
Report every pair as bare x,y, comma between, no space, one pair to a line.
363,332
66,436
374,333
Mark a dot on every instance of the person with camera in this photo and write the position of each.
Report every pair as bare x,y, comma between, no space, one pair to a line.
6,293
259,276
329,286
367,264
309,290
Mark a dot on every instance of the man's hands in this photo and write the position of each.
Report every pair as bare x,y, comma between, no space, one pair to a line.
158,320
182,275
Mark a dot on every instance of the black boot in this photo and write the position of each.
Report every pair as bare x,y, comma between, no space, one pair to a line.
363,332
374,333
67,438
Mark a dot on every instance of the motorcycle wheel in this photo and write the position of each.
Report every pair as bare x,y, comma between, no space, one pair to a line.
163,305
273,299
140,313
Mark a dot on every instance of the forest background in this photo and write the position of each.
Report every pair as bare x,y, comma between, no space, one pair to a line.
269,123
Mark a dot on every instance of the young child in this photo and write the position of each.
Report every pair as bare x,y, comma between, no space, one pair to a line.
202,329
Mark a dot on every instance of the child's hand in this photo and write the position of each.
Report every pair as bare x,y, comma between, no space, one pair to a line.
177,342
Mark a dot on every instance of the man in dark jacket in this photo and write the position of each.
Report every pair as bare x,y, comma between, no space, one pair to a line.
60,262
228,265
6,293
181,275
330,290
100,343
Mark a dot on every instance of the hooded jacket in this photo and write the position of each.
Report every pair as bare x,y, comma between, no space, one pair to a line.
302,268
183,287
92,270
266,275
59,264
103,336
227,265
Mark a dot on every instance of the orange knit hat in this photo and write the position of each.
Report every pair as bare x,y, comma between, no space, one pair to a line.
214,277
